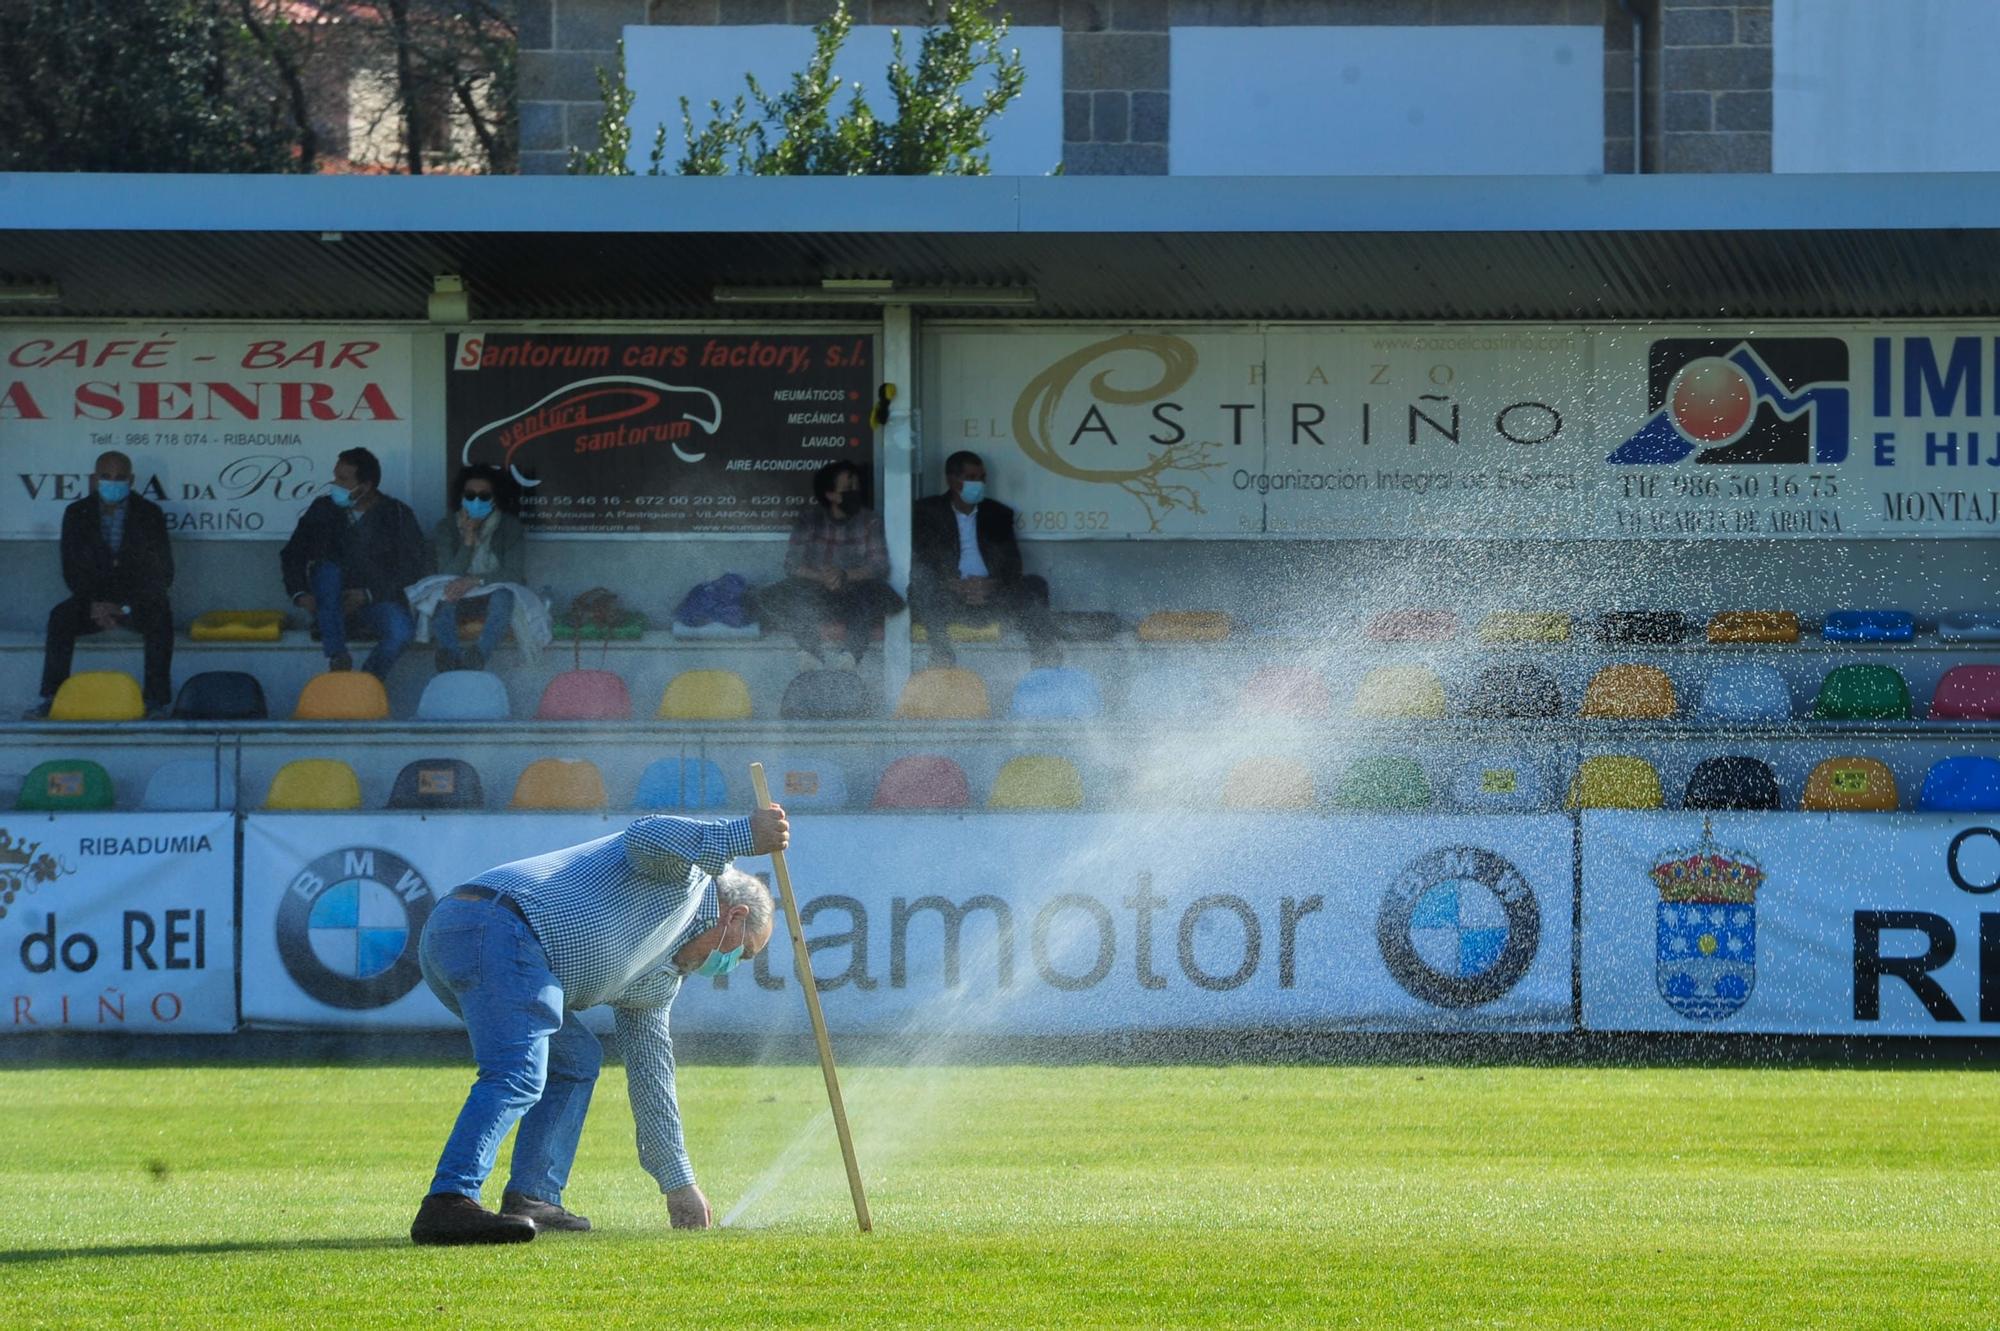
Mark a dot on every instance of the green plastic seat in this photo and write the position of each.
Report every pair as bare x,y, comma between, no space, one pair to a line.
1384,783
1862,693
65,784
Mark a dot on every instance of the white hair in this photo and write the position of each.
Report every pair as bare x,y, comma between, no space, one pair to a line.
736,888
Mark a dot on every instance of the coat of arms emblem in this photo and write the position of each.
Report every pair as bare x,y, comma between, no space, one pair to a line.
1706,963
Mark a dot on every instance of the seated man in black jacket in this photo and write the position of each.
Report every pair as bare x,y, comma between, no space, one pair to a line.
354,551
118,565
965,565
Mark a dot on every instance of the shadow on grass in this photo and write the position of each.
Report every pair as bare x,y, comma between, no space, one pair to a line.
21,1256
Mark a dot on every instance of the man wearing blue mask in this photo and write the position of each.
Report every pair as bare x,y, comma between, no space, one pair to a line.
352,554
521,949
118,564
965,566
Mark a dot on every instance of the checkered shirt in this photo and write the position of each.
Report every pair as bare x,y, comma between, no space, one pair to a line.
611,913
853,544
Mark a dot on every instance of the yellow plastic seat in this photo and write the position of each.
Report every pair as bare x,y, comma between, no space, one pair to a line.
961,632
1269,783
1753,626
1850,785
1629,693
560,783
238,626
314,783
1037,781
949,694
1184,626
342,695
1400,691
98,695
1615,781
1524,626
705,695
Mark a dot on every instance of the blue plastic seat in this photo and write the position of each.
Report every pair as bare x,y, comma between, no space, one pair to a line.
1745,691
1056,693
188,785
464,695
682,783
1961,785
1970,626
799,782
1868,626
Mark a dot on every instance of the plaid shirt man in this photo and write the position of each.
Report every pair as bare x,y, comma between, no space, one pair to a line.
853,544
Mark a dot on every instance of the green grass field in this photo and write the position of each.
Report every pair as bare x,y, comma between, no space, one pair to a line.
1035,1196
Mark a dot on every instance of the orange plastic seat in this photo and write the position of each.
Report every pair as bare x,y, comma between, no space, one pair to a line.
342,695
1286,691
1269,783
945,694
1753,626
1629,693
560,783
923,781
1850,785
98,695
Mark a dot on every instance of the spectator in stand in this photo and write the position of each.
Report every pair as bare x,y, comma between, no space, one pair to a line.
836,568
354,551
480,541
965,564
118,564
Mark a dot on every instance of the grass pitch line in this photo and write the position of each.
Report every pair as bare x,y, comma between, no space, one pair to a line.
802,965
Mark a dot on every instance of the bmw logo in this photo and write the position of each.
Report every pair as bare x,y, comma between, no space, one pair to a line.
1459,927
349,924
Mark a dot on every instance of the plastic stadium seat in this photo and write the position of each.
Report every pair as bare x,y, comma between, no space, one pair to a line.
1399,691
923,781
1629,693
342,695
221,695
189,785
1184,626
1970,626
1413,626
1850,785
1269,783
827,695
1967,693
1745,692
1384,783
314,783
705,695
1509,691
1056,693
1732,782
807,783
987,632
1501,782
1088,625
1961,785
464,695
682,783
98,695
1169,693
1868,626
560,783
1615,781
1649,626
1862,693
1037,781
1753,626
1505,626
585,695
944,694
1293,691
65,784
238,626
437,783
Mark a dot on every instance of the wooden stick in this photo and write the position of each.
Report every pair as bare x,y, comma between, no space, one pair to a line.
802,966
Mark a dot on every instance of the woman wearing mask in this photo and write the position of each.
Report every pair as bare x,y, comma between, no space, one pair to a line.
478,542
836,568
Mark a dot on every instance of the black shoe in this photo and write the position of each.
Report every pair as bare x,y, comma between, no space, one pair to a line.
39,712
341,662
546,1215
448,1218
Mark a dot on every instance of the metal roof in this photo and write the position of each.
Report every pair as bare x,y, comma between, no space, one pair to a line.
1348,248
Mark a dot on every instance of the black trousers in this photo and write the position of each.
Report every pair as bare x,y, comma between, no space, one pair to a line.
799,607
152,617
1023,603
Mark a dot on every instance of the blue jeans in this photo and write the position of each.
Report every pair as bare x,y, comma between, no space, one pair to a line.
537,1064
389,620
499,608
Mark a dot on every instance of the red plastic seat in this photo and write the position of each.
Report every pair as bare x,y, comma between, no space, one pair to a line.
1286,691
585,695
1967,693
923,781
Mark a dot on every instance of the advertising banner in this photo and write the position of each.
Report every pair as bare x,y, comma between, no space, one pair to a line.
1017,925
120,922
1810,924
232,431
1500,432
614,434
